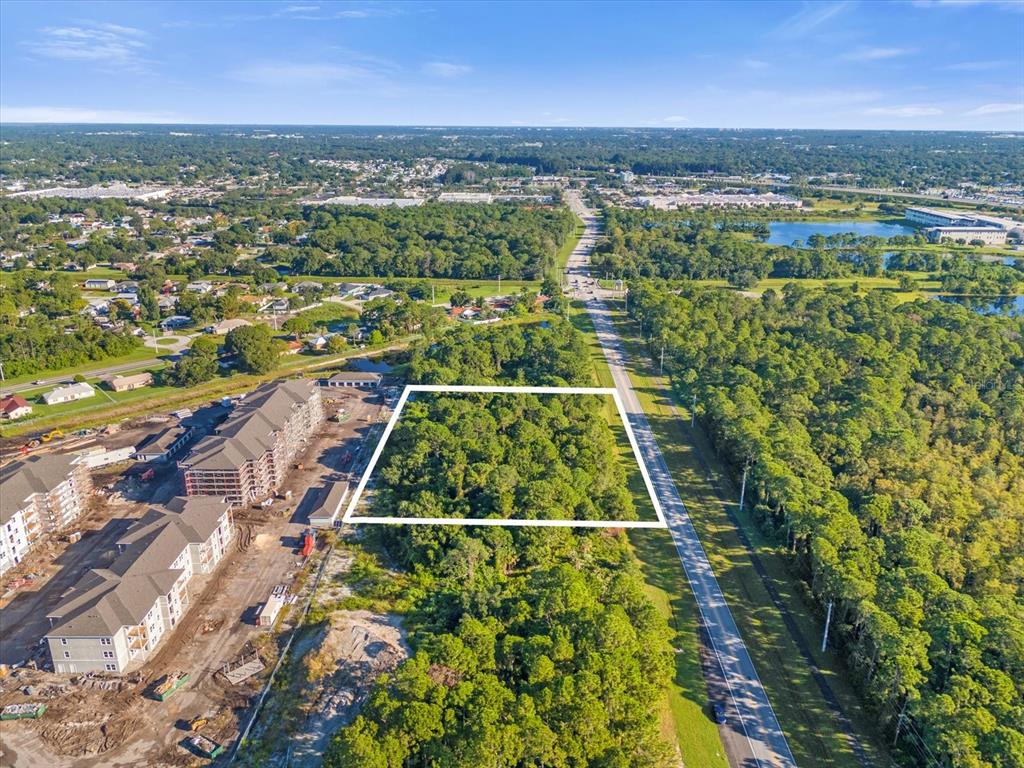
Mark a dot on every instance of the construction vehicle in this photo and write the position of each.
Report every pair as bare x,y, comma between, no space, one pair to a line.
54,433
308,542
197,722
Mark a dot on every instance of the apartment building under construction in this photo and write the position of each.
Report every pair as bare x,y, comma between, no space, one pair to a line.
248,457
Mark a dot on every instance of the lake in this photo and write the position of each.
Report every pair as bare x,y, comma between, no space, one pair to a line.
786,232
1011,306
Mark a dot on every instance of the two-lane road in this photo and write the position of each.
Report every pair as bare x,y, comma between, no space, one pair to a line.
750,711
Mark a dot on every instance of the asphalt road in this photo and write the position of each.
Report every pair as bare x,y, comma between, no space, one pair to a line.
749,712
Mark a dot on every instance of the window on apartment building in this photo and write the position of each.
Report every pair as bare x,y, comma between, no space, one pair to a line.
67,654
111,667
108,654
105,641
63,641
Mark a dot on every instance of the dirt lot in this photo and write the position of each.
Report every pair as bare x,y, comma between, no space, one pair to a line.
92,726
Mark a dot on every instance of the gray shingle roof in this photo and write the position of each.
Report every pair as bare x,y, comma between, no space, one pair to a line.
105,600
22,479
249,431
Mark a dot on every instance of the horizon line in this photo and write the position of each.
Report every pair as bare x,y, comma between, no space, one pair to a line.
483,126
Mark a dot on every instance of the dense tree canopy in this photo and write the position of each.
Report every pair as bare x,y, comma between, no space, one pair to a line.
532,647
436,240
886,446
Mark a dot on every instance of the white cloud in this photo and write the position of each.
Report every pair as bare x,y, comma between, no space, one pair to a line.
84,115
877,54
998,108
446,69
349,67
1006,5
809,18
975,66
908,110
107,44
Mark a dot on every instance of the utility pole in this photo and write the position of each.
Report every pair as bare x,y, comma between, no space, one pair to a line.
661,365
743,485
499,283
432,297
3,378
828,623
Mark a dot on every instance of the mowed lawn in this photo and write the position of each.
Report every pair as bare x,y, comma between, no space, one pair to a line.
704,486
685,719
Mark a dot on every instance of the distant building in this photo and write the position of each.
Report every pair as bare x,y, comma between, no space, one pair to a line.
38,495
249,456
128,383
115,617
14,407
349,379
68,393
948,224
378,293
95,284
308,285
200,286
465,197
175,321
986,235
226,326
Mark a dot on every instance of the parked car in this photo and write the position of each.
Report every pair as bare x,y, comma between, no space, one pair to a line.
718,712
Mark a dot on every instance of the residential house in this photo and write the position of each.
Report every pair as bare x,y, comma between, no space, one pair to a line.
308,285
378,293
224,326
69,393
248,457
128,383
96,284
352,289
175,321
14,407
201,286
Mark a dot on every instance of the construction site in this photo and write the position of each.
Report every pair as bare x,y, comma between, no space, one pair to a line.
197,694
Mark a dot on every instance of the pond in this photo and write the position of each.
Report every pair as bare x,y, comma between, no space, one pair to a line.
1010,306
368,365
786,232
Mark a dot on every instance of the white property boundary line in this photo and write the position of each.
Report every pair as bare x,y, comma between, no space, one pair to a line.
349,517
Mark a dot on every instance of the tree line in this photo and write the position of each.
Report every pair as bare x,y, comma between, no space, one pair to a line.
885,449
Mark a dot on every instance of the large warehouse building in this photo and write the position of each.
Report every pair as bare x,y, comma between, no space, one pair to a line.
965,226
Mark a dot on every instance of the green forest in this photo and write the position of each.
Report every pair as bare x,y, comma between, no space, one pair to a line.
912,159
531,646
885,445
545,457
438,240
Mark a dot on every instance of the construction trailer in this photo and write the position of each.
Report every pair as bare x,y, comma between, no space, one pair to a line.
268,613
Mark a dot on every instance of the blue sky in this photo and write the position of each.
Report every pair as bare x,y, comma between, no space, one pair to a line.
919,64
